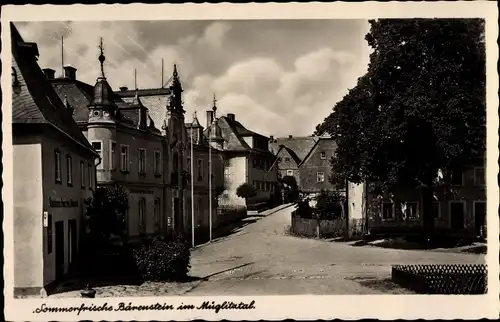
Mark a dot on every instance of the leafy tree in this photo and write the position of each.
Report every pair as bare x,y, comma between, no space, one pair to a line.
246,191
419,109
105,214
329,205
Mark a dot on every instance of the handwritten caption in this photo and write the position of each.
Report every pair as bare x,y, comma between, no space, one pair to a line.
206,305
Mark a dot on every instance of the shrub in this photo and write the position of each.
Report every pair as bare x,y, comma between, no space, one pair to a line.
246,190
160,260
304,210
329,205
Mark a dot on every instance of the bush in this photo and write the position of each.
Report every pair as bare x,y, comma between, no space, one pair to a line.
160,260
246,190
329,205
304,210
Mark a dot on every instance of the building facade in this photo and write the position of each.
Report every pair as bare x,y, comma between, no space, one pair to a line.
247,159
54,172
308,160
459,205
131,148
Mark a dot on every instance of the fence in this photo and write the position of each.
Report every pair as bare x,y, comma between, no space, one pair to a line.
442,279
325,228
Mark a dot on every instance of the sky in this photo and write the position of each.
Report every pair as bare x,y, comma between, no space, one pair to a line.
279,77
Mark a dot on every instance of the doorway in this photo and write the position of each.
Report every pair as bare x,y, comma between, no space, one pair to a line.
72,243
59,241
479,215
178,224
457,214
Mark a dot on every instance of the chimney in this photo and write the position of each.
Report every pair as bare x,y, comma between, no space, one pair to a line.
210,118
271,138
49,73
70,72
123,89
290,136
231,117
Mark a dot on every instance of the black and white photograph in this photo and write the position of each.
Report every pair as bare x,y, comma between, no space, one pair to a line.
169,163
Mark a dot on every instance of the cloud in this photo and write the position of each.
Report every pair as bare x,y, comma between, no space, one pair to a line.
279,77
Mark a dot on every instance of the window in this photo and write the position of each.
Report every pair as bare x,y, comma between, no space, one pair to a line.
142,212
157,212
157,164
142,161
479,177
387,210
287,159
90,174
289,172
436,210
97,146
82,174
200,170
69,170
320,177
410,210
124,158
57,164
323,155
112,156
457,177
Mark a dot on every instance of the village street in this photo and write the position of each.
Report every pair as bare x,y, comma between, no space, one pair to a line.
260,259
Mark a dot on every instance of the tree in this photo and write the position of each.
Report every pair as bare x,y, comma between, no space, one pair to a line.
419,109
105,214
291,188
246,191
329,205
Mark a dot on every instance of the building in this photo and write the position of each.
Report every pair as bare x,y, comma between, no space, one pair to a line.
308,160
205,168
247,159
131,148
459,206
54,171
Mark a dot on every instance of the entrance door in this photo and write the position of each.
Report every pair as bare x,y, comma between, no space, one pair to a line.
72,243
59,239
479,215
177,217
457,215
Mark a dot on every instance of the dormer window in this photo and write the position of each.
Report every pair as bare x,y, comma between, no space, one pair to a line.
323,155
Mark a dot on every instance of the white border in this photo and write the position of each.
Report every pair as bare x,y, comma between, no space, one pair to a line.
271,307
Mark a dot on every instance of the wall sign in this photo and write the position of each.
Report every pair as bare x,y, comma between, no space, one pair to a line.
62,202
45,219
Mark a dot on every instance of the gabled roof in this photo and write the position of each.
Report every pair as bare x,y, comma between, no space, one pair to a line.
290,152
38,102
318,142
300,145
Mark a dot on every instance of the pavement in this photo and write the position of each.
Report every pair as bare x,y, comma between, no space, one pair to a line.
259,258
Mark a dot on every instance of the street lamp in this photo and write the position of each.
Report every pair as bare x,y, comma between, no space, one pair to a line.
16,85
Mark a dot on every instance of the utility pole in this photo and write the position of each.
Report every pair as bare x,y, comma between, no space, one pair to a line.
62,56
210,184
192,188
162,84
135,78
346,209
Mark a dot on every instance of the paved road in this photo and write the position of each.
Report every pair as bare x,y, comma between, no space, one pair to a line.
260,259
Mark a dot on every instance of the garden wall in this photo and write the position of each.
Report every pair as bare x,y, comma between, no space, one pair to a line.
325,228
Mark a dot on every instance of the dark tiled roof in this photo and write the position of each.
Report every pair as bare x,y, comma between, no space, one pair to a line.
144,92
292,154
301,146
79,96
38,102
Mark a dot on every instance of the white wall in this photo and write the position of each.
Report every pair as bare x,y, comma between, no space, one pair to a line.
28,215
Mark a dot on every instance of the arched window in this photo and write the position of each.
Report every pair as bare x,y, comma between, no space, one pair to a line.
142,213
